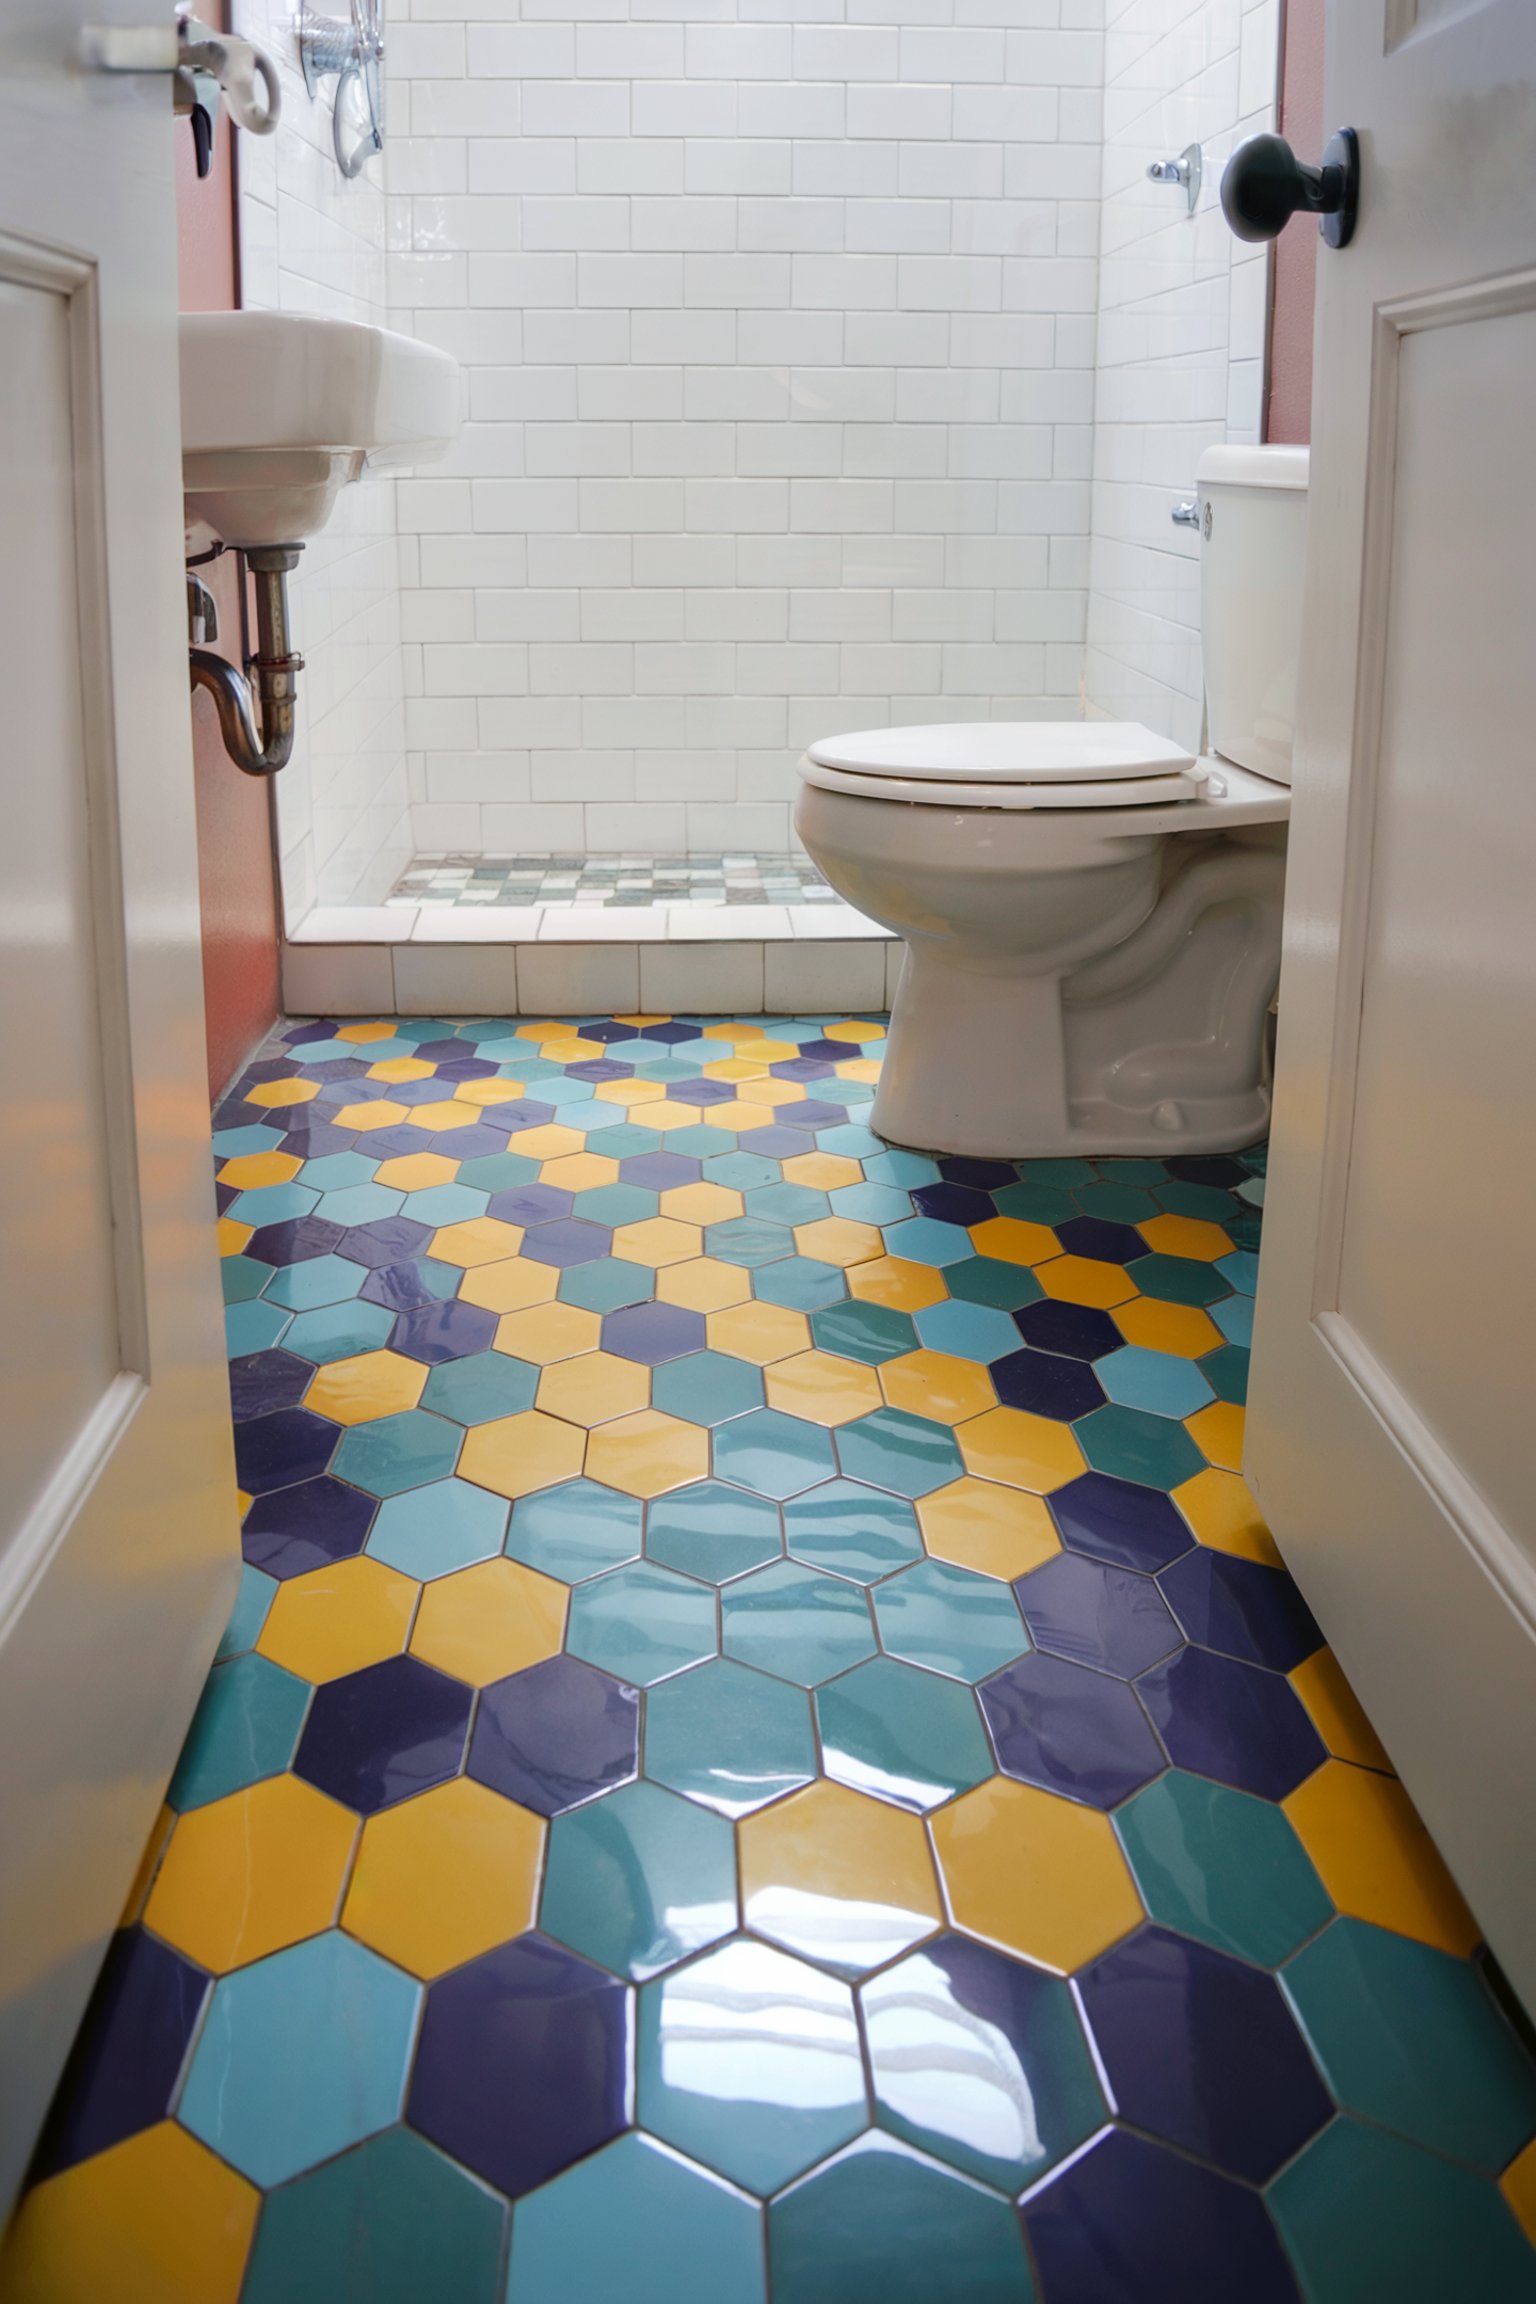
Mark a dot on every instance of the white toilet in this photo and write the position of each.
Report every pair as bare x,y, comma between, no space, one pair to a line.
1091,913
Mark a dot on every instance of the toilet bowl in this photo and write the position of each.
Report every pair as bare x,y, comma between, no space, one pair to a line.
1091,912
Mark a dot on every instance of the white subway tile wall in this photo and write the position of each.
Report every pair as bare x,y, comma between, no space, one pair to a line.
1183,314
777,322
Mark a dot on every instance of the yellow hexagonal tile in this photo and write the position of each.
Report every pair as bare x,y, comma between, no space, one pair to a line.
822,1388
630,1091
363,1119
484,1092
995,1530
253,1872
364,1032
1021,1450
1185,1236
703,1284
572,1049
892,1280
821,1171
1217,1431
416,1171
510,1286
656,1241
445,1876
479,1240
1337,1713
369,1384
233,1238
579,1172
548,1331
253,1169
758,1332
766,1090
1181,1329
738,1068
1035,1874
1375,1858
1010,1240
547,1028
438,1119
158,2219
740,1114
514,1455
665,1116
1518,2185
839,1240
489,1620
701,1203
647,1454
865,1068
840,1878
401,1068
592,1387
338,1618
273,1095
862,1030
937,1385
550,1142
1223,1514
1083,1280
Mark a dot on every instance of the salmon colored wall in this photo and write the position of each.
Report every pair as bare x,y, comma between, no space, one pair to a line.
234,839
1301,123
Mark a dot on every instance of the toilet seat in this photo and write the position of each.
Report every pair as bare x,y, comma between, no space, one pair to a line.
1009,764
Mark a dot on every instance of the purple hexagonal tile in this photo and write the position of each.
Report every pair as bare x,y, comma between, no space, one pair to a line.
776,1143
572,1241
680,1028
653,1332
388,1240
1070,1730
1203,2051
310,1140
703,1093
481,1142
377,1736
1120,1521
277,1450
523,1112
1236,1722
262,1381
599,1068
530,1204
465,1067
295,1240
981,1175
1091,1613
127,2058
1047,1384
447,1331
401,1287
659,1171
523,2063
952,1204
1102,1241
812,1114
1240,1608
306,1526
803,1068
556,1735
1074,1329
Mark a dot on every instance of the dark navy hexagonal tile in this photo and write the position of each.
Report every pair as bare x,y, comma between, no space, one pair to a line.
1076,1330
1241,1608
1093,1613
277,1450
1235,1722
262,1381
127,2058
1120,1521
1070,1730
436,1332
1047,1384
651,1333
556,1735
306,1526
376,1736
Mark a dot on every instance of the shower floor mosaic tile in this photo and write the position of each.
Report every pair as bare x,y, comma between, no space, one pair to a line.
764,1751
610,881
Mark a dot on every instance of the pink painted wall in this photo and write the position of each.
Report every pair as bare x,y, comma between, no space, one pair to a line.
234,842
1301,123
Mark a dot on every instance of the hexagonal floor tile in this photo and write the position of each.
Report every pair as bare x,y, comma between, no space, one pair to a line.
901,1734
949,1620
773,1454
639,1879
729,1737
884,2221
575,1530
379,1735
844,1880
444,1877
712,1531
641,1622
795,1622
556,1734
388,2217
1034,1874
637,2222
851,1530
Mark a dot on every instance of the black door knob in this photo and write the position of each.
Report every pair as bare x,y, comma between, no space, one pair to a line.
1264,184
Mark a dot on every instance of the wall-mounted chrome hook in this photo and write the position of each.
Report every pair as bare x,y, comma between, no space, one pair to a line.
1186,170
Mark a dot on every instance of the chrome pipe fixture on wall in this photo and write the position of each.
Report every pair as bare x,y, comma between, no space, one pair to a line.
275,665
1188,170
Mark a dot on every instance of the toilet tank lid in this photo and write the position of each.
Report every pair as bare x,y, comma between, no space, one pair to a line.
1007,752
1269,467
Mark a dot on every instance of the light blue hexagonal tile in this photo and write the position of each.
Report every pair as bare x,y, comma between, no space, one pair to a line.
301,2055
795,1622
359,1204
801,1282
740,1171
639,1879
772,1454
707,1387
616,1204
925,1240
949,1620
316,1280
853,1141
391,1453
272,1204
255,1596
337,1331
442,1204
435,1530
333,1171
235,1143
576,1530
852,1530
906,1169
638,2223
1240,1270
729,1737
901,1735
246,1727
871,1203
748,1241
641,1622
1234,1318
788,1203
712,1531
254,1326
892,1449
967,1331
1163,1382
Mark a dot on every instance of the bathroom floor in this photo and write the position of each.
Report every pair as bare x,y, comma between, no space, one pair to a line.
610,881
764,1749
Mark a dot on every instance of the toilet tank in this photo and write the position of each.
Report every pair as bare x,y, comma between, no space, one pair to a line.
1253,543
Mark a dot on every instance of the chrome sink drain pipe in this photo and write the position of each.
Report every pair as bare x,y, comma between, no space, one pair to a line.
275,665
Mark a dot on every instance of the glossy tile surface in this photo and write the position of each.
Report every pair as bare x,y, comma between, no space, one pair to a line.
764,1753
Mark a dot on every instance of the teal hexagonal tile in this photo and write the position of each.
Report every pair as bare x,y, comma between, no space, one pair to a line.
576,1530
1226,1369
1222,1866
335,1170
787,1203
447,1204
1206,1201
246,1726
866,1332
925,1240
252,1326
641,1622
252,1601
992,1281
949,1620
749,2061
1132,1444
902,1735
968,1331
906,1169
315,1280
271,1204
606,1284
1117,1203
729,1737
637,2223
800,1283
712,1531
364,1204
391,1453
498,1172
981,2060
615,1204
393,2221
481,1387
301,2055
795,1622
1035,1203
1408,2037
748,1241
639,1879
739,1171
909,1455
706,1387
882,2222
871,1203
1366,2215
435,1530
1180,1280
337,1331
242,1278
852,1530
1161,1382
773,1454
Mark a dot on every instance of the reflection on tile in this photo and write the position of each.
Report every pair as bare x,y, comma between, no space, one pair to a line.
844,1880
886,2220
731,1738
638,1879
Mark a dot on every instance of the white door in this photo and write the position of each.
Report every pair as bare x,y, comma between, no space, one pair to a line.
1392,1427
118,1550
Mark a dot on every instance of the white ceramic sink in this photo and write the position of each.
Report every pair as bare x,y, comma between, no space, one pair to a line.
279,410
